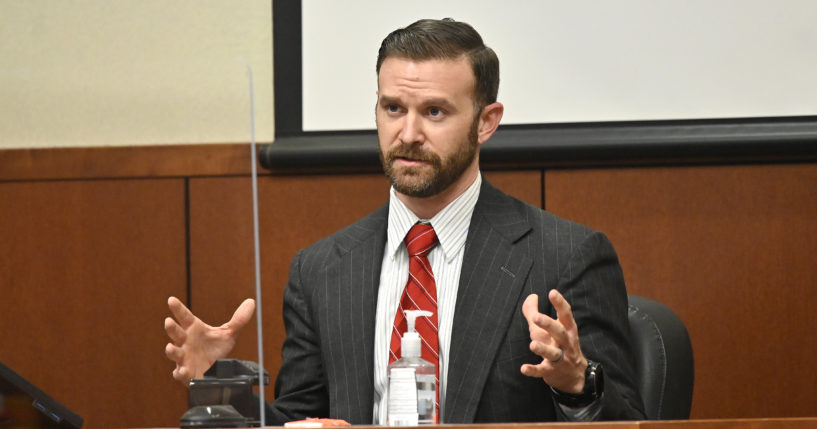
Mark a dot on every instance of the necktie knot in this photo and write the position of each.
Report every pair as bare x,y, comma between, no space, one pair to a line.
420,239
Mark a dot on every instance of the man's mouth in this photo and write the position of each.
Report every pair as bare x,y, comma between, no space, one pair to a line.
408,162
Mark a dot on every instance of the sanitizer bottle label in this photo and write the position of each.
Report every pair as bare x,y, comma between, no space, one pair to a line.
402,398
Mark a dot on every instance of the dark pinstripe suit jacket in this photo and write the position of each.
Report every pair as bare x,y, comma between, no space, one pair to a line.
513,249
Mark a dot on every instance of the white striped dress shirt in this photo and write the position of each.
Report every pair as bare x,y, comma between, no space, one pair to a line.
451,226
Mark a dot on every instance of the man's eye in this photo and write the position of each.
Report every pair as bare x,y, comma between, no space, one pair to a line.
392,108
435,111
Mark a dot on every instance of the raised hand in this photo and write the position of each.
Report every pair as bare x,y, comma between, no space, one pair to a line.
195,345
556,341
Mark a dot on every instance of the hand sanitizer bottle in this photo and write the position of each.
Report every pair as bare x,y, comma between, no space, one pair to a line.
412,382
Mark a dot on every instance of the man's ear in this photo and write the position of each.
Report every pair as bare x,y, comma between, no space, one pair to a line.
489,121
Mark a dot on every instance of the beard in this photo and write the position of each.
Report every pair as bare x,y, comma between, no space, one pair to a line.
418,182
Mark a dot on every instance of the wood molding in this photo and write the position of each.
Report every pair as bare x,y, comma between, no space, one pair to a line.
123,162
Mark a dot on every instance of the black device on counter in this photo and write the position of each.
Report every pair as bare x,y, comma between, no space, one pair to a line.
224,396
23,405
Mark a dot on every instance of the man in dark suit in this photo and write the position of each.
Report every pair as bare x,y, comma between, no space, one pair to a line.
503,355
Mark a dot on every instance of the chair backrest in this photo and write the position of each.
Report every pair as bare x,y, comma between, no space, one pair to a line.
664,364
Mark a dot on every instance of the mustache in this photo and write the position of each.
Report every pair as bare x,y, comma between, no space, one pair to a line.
413,153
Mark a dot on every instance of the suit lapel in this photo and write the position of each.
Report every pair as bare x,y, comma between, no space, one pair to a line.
356,273
495,266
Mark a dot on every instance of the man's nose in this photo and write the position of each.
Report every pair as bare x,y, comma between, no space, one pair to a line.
412,129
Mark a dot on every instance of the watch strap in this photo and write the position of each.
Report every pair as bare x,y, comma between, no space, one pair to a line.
593,388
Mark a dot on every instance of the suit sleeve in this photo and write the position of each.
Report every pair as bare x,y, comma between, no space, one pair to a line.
300,389
593,284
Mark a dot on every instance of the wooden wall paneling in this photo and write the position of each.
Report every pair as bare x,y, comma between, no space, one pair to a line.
85,267
523,184
731,250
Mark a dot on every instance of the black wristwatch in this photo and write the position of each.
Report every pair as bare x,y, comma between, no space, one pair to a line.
593,388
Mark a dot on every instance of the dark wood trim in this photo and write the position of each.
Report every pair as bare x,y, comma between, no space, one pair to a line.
183,160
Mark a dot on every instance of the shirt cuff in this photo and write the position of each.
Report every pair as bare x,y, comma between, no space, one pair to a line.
582,414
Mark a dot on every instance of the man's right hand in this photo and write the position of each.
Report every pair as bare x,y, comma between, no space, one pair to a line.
195,345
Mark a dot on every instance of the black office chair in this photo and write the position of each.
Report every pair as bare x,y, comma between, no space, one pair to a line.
664,366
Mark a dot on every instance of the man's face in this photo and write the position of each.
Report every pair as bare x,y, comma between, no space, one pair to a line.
426,124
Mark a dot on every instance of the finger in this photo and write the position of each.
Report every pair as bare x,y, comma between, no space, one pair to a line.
181,374
530,308
174,331
242,315
554,328
182,314
536,320
563,311
174,353
542,327
547,352
536,371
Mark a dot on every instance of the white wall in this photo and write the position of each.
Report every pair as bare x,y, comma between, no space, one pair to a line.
584,60
119,72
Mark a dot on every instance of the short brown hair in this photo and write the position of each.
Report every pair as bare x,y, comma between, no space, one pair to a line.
446,39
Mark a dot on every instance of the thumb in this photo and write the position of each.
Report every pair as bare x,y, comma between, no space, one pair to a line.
242,314
530,308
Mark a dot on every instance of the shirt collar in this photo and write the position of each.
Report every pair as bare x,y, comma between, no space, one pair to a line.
450,224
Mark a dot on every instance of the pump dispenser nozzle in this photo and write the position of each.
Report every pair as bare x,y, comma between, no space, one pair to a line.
410,343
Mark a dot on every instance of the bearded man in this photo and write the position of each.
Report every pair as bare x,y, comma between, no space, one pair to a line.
502,355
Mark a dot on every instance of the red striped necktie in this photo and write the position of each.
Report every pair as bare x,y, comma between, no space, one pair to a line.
420,294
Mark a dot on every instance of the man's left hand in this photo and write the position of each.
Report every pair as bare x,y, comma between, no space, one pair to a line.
556,341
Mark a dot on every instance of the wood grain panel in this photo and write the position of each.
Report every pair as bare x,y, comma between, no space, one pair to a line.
731,250
523,184
294,213
85,267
